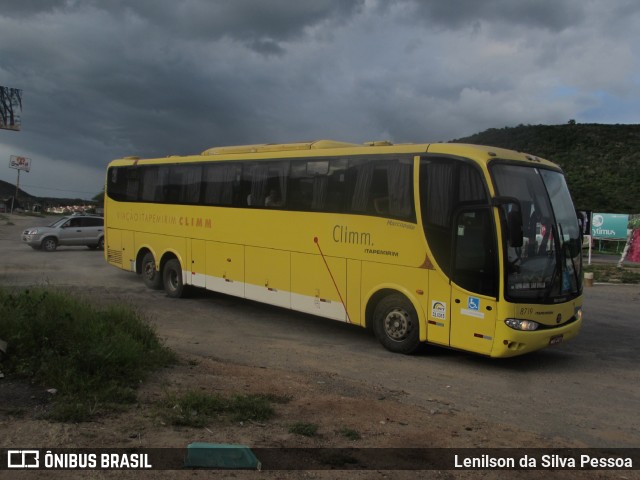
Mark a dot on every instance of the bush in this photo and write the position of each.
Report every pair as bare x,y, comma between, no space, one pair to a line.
94,358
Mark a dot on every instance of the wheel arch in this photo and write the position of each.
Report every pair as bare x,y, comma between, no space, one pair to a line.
50,235
170,255
142,251
376,295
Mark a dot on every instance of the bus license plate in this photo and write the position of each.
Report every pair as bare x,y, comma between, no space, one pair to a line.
555,340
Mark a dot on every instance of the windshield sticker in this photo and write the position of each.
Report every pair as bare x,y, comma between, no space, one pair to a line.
529,286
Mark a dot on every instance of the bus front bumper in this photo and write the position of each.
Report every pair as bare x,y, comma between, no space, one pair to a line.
509,342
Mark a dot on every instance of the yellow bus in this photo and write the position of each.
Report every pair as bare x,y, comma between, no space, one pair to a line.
463,246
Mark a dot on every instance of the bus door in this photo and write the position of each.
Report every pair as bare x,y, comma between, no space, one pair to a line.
474,280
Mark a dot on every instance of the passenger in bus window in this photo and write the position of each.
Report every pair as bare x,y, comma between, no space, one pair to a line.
273,200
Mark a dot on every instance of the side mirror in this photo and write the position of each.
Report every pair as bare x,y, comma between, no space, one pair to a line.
515,231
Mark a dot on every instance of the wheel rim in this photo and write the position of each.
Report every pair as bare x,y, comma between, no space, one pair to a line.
173,280
49,244
397,324
150,270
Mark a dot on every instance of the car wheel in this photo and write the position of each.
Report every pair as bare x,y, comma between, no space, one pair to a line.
49,244
395,324
101,243
172,279
150,275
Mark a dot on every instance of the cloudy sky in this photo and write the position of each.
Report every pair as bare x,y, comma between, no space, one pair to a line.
103,79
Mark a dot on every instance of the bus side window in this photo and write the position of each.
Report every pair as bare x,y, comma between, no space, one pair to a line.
184,183
117,187
382,188
221,184
360,178
329,194
301,186
445,186
317,185
153,183
261,179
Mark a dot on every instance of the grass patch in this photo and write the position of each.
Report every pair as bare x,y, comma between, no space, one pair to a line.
350,434
305,429
613,274
197,409
95,358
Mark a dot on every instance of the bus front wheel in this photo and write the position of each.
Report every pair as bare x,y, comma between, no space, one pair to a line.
172,279
395,324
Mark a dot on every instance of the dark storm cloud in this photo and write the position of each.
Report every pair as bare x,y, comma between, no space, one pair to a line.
106,78
247,20
259,24
25,8
546,14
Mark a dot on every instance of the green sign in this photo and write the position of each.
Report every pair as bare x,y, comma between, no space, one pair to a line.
609,225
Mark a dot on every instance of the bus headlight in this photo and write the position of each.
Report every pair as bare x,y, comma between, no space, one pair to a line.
518,324
578,313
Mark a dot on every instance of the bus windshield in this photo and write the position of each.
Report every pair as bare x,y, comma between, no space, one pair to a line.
548,266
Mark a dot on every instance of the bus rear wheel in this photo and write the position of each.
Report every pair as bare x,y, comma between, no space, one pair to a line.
395,324
150,275
172,279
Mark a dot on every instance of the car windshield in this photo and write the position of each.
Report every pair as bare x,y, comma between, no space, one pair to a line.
58,222
549,264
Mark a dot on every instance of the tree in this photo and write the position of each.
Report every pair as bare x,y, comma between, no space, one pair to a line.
99,199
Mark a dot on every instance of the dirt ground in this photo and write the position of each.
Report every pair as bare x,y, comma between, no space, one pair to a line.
383,417
378,415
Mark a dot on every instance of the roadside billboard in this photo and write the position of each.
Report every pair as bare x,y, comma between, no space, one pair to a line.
20,163
609,225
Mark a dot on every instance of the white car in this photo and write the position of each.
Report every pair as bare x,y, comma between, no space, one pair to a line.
72,230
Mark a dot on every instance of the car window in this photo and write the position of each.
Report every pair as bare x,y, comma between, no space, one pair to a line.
93,222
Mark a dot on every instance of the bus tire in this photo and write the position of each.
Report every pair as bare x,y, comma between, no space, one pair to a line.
150,274
172,279
396,325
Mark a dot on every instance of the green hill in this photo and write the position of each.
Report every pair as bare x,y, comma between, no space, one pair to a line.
7,190
601,162
25,200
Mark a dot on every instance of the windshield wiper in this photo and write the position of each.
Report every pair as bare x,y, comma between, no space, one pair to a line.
557,271
567,251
